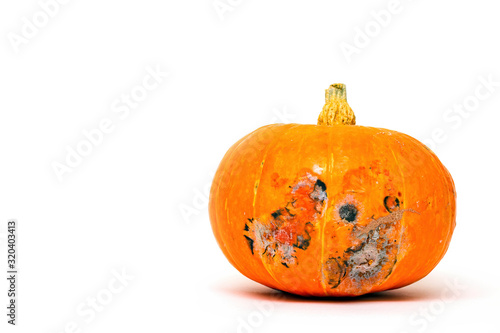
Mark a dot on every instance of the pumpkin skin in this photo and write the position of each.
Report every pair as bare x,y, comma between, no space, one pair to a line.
339,210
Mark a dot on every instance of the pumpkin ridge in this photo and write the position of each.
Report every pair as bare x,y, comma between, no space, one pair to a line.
443,178
267,266
402,203
330,165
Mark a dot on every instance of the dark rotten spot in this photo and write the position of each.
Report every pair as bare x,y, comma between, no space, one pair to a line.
250,243
276,213
348,212
391,203
319,193
320,184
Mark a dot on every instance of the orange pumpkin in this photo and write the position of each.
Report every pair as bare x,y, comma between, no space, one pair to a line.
332,209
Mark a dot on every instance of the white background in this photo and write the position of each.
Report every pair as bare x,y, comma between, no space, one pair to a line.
123,206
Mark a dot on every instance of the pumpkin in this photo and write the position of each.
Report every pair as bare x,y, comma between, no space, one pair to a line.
333,209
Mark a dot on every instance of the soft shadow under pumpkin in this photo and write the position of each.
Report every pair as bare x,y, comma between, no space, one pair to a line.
428,289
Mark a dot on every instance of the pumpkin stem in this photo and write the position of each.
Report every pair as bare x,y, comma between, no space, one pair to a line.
336,110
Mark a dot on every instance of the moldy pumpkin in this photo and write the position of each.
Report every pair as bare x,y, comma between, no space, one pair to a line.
332,209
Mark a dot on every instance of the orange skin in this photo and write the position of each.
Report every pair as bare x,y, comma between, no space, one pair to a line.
338,210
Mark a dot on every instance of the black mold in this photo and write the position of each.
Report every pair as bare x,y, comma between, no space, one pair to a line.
386,203
250,243
348,212
320,184
354,249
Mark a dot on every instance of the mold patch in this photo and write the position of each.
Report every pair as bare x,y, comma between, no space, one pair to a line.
334,271
277,236
374,245
374,253
348,212
370,260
